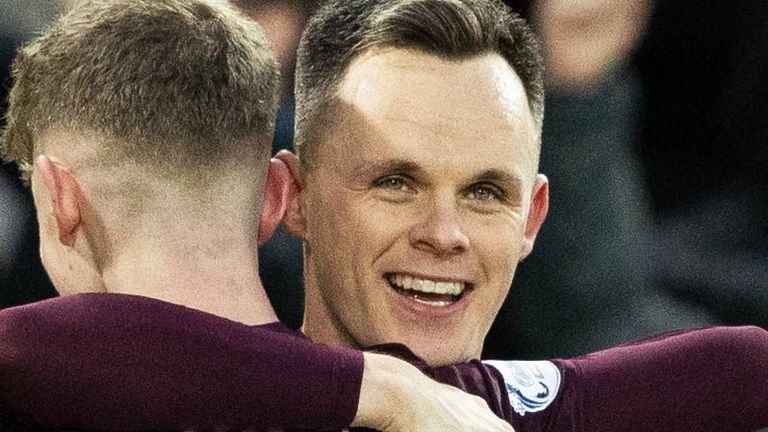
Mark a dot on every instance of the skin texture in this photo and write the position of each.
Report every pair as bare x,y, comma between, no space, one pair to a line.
89,242
419,177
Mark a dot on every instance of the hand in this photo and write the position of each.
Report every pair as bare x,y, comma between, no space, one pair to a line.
397,397
584,39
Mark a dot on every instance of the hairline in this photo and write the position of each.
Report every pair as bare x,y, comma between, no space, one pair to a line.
325,109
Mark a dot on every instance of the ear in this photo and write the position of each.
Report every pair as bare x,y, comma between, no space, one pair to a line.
294,216
536,213
65,195
275,193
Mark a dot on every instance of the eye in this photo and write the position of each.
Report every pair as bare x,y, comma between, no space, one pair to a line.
394,188
482,194
485,192
393,183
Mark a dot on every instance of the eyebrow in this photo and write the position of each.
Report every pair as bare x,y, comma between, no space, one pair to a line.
510,178
403,166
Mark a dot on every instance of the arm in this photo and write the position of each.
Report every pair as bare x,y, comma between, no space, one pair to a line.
713,379
122,362
102,362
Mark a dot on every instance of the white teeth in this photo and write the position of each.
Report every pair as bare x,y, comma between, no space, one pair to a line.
426,285
439,303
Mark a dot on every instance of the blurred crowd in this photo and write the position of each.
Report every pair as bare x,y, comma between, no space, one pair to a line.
655,143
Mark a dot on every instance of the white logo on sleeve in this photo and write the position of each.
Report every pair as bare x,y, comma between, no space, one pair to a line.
532,385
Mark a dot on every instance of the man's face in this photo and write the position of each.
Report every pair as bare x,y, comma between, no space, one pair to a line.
417,210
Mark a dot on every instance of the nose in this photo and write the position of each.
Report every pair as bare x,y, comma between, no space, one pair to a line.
440,232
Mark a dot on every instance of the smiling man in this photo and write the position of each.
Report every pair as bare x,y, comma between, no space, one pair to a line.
417,194
419,191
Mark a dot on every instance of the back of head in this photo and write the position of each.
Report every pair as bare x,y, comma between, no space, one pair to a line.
453,30
149,123
182,89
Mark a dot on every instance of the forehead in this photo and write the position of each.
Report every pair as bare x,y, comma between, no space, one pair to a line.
400,103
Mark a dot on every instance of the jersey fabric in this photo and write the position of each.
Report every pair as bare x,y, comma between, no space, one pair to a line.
713,379
115,362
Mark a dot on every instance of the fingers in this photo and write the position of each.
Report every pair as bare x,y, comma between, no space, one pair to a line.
418,403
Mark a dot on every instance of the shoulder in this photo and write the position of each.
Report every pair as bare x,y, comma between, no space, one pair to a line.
16,325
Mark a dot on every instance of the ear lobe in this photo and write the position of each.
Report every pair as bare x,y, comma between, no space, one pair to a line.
65,195
536,214
275,194
294,216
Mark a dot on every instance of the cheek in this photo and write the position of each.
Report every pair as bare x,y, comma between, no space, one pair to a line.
343,236
381,226
375,226
327,248
500,236
499,246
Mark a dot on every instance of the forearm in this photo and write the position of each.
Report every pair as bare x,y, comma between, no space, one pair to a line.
709,379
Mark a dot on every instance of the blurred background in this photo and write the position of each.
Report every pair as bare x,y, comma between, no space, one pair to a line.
656,145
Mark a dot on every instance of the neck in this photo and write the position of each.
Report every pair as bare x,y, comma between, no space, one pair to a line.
223,282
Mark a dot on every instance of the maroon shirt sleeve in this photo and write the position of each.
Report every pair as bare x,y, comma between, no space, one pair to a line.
158,366
713,379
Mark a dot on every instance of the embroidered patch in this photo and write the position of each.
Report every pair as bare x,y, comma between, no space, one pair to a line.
532,385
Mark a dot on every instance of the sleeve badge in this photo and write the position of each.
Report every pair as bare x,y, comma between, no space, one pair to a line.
531,385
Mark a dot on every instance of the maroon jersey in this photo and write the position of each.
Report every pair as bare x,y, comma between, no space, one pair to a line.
113,363
108,362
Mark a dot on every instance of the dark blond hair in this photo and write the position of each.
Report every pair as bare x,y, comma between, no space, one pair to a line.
175,84
453,30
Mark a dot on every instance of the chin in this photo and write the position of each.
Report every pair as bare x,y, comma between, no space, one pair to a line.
442,359
438,353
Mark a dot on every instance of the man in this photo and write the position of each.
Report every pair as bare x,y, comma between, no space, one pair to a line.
144,128
634,387
419,145
418,132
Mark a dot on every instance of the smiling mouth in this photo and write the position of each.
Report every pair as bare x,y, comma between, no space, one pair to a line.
427,292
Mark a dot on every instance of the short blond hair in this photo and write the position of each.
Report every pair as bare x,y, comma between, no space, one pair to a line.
179,84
